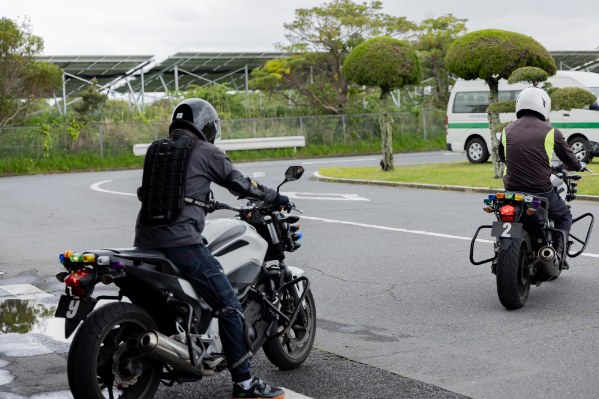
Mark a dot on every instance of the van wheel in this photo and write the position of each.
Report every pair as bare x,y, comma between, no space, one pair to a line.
476,151
577,144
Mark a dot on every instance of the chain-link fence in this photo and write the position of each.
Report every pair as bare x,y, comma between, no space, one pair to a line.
118,138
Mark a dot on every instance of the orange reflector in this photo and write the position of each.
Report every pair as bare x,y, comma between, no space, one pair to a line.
500,195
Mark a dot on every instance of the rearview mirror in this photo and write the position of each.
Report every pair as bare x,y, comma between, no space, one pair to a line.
294,173
592,146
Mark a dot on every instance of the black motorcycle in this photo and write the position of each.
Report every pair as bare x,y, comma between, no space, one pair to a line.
528,248
166,332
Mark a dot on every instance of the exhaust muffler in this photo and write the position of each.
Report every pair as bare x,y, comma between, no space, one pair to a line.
546,254
169,351
549,260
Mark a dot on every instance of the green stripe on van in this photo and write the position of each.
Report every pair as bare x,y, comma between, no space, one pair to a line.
574,125
468,125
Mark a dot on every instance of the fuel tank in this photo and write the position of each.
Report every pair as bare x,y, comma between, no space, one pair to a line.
238,248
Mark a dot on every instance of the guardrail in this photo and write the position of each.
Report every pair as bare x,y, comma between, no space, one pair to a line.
244,144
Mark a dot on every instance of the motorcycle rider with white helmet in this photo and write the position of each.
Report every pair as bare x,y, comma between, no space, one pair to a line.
527,145
186,164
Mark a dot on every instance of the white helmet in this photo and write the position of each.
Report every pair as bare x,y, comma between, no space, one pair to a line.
533,99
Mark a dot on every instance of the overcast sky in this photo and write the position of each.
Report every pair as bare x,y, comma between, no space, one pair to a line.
161,28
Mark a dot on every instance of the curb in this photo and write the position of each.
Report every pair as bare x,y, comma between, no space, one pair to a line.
488,190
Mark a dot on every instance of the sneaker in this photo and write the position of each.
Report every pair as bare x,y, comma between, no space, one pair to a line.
258,390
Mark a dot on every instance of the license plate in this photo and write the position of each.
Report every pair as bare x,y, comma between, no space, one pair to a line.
506,230
74,308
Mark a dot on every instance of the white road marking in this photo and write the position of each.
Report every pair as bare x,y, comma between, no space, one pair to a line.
256,175
25,291
427,233
325,196
453,153
96,187
289,394
348,160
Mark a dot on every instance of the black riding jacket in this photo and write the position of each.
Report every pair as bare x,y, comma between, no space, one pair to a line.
208,164
527,146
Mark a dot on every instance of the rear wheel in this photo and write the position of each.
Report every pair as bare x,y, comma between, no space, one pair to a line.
476,151
577,144
293,348
513,282
97,366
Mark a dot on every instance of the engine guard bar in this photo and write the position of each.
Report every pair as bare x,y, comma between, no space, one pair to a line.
564,252
288,320
487,226
586,241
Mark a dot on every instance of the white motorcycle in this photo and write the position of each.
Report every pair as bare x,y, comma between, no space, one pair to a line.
167,333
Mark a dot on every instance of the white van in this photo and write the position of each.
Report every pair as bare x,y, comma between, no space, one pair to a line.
467,128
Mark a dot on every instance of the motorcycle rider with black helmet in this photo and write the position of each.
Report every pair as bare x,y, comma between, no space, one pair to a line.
175,192
527,145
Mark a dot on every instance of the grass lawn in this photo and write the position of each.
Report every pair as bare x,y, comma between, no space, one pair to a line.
461,173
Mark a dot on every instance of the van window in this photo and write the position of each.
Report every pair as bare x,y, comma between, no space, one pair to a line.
594,106
476,102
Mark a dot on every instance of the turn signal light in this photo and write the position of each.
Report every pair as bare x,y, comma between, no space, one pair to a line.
488,209
74,279
500,195
531,211
67,254
492,196
60,276
488,201
88,258
294,227
75,258
509,196
518,197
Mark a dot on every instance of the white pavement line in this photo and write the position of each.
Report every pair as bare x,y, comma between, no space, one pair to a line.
25,291
96,187
258,174
289,394
428,233
325,196
374,226
348,160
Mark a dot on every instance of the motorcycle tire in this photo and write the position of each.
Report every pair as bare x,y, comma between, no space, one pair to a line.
91,356
513,283
292,349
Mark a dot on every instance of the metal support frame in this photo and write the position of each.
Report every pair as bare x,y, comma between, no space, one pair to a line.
56,103
247,89
101,143
64,95
143,99
163,84
192,74
133,95
176,77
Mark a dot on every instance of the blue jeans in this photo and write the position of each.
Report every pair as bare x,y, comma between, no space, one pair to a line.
207,276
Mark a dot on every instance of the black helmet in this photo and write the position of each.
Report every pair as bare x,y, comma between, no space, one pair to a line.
198,116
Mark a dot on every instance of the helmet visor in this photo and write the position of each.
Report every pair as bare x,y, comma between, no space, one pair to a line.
218,136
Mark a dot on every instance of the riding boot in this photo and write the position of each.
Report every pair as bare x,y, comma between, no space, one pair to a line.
559,247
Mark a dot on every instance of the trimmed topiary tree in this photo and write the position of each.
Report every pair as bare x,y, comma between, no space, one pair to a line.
532,75
389,64
571,97
492,55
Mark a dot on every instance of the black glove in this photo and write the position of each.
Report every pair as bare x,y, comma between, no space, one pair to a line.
281,200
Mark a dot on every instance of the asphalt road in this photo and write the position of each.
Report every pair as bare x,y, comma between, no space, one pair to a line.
390,275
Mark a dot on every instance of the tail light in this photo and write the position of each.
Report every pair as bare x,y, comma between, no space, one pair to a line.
447,125
74,279
507,213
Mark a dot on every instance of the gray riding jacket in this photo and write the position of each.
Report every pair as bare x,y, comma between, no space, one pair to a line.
208,164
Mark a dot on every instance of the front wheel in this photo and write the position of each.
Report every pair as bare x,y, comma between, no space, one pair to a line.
293,348
513,282
97,363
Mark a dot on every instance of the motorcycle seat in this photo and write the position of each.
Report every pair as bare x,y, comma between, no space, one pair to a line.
151,256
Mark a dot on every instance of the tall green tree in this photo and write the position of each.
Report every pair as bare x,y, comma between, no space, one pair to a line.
432,40
492,55
321,38
23,80
389,64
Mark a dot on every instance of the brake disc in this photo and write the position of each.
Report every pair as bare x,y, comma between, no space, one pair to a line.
118,377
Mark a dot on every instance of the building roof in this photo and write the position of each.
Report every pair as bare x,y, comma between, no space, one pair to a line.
107,69
201,69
